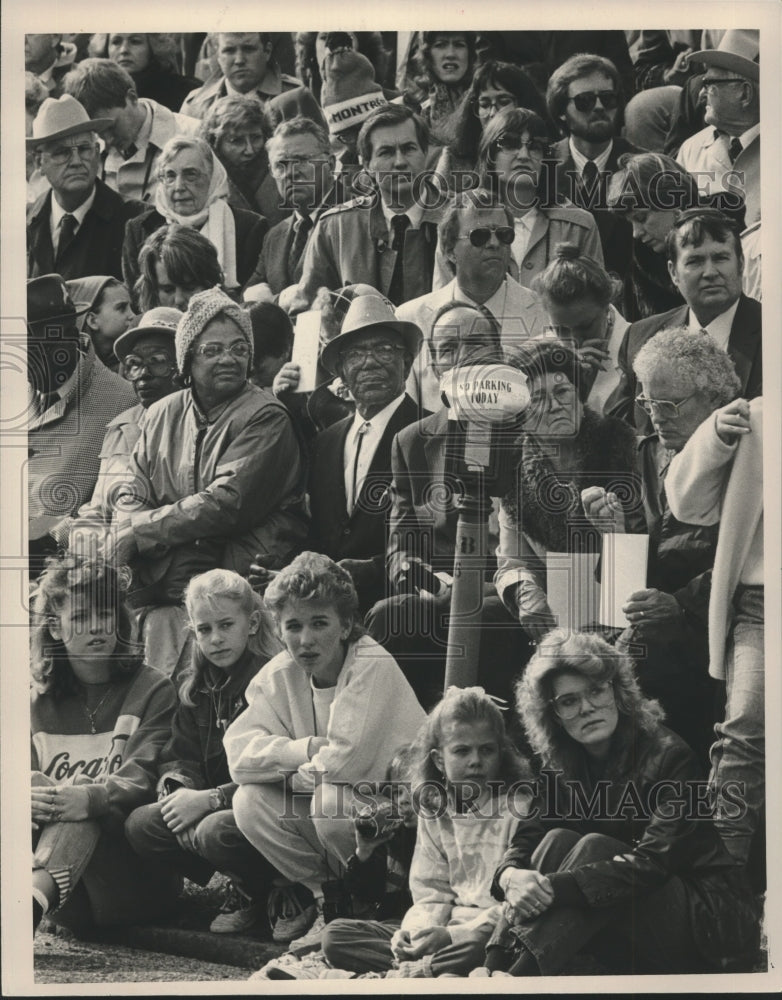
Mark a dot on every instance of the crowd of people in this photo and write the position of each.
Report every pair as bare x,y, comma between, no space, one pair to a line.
247,293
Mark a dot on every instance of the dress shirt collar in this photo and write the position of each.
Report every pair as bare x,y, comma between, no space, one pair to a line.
414,214
495,304
719,328
78,213
580,160
379,422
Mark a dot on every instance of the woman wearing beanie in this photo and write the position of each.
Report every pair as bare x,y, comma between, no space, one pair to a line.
218,475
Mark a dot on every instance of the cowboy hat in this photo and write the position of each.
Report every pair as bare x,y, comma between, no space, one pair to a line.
59,117
162,320
366,313
738,52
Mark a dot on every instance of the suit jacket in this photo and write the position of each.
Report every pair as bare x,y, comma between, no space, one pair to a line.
251,229
616,233
350,245
744,347
361,534
423,513
523,317
97,246
272,265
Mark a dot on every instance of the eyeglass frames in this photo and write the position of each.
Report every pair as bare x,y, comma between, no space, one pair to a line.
589,98
480,237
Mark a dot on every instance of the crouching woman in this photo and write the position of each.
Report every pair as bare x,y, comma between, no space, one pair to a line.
329,711
642,881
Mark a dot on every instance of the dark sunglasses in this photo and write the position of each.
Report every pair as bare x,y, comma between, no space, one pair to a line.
587,100
481,236
513,143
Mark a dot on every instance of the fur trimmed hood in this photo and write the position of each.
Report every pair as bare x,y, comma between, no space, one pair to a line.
545,501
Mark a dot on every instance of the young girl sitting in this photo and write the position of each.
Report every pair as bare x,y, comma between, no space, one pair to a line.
330,710
468,810
109,314
191,827
99,718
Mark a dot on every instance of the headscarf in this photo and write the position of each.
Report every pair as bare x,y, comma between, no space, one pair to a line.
215,221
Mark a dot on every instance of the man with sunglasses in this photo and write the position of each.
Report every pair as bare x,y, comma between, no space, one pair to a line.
476,234
725,156
77,228
584,97
705,262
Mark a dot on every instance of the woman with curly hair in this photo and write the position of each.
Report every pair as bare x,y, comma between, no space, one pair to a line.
329,711
237,127
495,86
99,718
622,861
445,61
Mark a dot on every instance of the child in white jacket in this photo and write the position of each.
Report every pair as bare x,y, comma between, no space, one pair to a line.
329,711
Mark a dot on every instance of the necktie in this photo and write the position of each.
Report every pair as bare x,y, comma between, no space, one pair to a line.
589,174
303,227
353,498
400,224
68,226
734,149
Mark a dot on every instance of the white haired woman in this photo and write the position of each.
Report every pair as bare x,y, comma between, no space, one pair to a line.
193,191
646,887
685,377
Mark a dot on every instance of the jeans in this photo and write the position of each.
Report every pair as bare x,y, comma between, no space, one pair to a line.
219,846
649,935
738,755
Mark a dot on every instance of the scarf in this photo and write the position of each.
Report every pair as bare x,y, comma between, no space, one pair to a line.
215,221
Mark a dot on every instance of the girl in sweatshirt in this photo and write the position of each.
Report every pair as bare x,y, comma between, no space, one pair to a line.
191,827
470,793
99,718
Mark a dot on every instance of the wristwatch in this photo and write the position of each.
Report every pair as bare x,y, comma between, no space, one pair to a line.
217,799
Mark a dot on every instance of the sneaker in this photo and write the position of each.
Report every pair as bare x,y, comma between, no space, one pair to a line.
310,940
289,914
418,969
238,913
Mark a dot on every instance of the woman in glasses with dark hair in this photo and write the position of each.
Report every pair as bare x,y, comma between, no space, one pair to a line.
512,163
646,887
685,377
495,86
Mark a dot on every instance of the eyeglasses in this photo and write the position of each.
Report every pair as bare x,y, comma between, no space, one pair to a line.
484,106
62,154
480,237
599,695
715,81
587,100
239,350
513,143
384,353
189,176
158,365
561,393
665,408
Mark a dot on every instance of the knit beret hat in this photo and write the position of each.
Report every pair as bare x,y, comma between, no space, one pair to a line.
349,94
201,310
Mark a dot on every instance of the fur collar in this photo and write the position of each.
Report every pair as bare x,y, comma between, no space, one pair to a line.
545,502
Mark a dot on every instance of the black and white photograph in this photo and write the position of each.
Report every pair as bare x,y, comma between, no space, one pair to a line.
383,540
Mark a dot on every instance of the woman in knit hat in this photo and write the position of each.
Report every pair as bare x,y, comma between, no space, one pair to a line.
217,471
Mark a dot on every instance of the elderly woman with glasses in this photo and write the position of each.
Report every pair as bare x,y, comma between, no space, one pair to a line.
685,377
618,858
193,191
217,472
564,447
